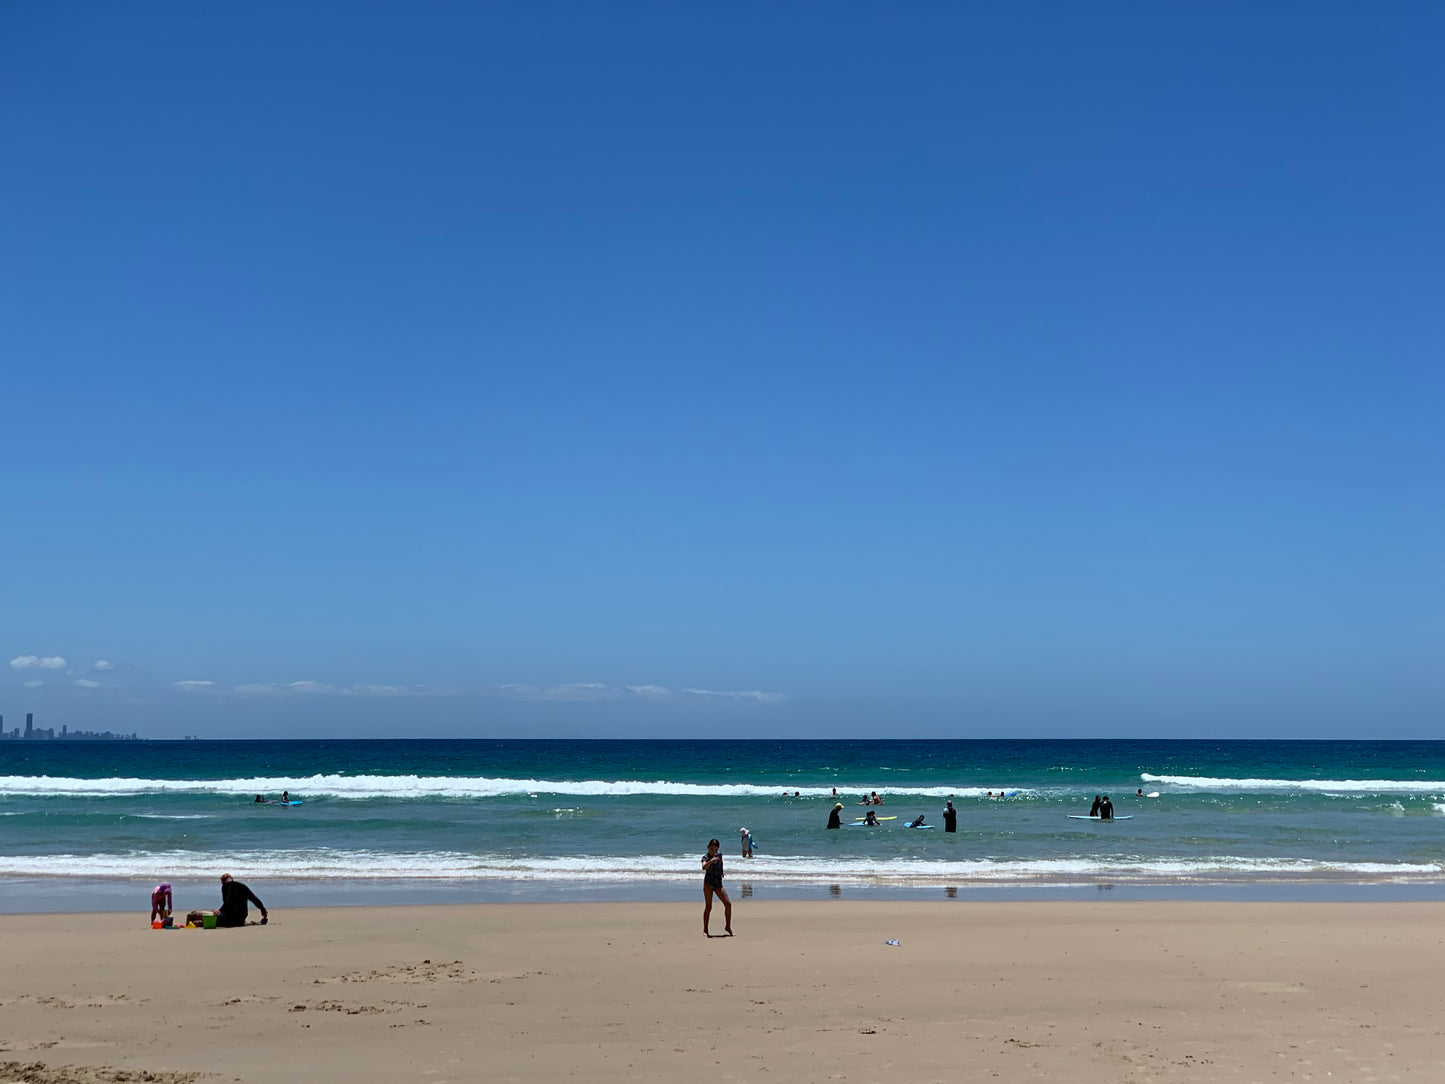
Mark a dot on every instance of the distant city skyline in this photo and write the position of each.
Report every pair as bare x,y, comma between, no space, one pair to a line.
561,370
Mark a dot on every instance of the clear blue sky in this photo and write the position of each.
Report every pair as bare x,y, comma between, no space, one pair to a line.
936,370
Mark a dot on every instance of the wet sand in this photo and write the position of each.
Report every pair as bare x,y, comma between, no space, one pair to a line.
1098,991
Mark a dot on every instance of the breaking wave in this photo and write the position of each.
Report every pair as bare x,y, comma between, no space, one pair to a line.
1322,786
323,865
415,786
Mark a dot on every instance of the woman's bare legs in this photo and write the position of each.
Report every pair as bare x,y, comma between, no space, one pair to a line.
707,894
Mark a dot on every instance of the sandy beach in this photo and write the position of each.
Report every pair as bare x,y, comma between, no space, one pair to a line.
805,991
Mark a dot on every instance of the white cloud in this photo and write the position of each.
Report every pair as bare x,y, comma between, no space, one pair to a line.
740,694
596,690
310,687
86,683
38,662
102,664
191,686
377,690
257,690
579,690
290,688
34,684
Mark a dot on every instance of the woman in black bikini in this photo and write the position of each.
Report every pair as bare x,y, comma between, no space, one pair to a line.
712,877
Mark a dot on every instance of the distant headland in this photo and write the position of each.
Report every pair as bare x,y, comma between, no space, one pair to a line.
34,733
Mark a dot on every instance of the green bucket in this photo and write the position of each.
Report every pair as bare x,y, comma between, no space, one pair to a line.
208,922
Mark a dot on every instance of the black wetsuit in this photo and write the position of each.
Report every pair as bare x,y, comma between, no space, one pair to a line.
234,897
1106,811
950,819
1094,809
834,820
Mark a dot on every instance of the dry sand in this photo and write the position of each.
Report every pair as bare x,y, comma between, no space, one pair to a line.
1078,992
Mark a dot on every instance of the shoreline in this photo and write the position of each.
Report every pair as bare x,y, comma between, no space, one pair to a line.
1087,991
72,896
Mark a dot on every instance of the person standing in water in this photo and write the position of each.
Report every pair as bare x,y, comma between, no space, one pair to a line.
1106,809
712,885
1094,809
747,838
950,817
835,819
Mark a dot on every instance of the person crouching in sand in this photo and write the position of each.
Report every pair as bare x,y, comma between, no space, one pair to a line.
712,885
234,899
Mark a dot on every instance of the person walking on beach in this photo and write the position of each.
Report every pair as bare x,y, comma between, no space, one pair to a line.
234,899
835,818
712,885
950,817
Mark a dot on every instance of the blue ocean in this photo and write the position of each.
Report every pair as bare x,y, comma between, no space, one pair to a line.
552,819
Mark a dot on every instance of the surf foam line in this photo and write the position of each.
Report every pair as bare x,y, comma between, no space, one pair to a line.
324,865
1331,786
414,786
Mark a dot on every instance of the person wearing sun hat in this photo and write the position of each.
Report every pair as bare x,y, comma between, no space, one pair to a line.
835,819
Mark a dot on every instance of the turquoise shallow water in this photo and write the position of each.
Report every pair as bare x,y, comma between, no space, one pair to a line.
559,815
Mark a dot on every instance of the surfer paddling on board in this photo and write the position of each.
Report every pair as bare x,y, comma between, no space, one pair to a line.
712,885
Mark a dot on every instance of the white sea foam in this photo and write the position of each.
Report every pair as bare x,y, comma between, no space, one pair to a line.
324,865
414,786
1328,786
1438,807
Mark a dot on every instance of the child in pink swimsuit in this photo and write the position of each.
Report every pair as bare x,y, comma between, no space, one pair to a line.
161,900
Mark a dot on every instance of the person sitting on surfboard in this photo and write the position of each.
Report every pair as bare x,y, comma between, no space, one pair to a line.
285,796
1106,809
1094,809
